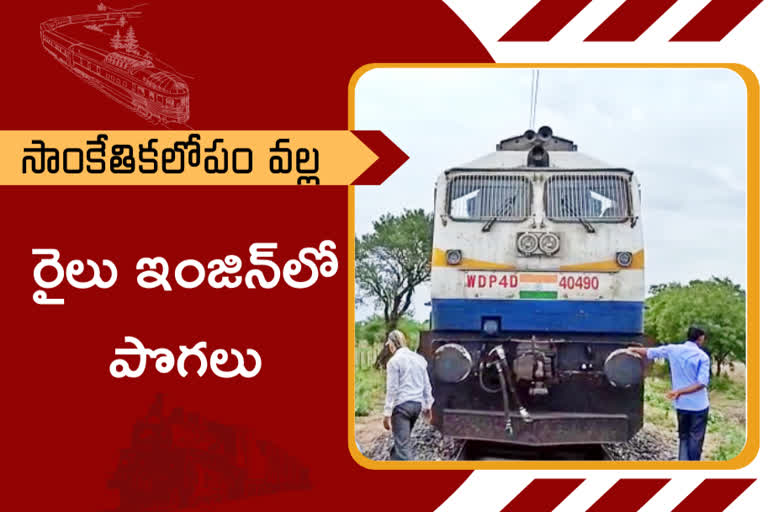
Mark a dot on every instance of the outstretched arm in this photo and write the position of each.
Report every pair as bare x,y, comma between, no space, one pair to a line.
661,352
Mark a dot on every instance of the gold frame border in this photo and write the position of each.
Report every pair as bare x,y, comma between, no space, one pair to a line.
752,410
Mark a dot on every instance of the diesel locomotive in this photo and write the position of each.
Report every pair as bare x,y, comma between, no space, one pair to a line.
537,291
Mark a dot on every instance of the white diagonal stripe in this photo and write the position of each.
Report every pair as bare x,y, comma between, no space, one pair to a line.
673,20
585,495
671,494
588,20
497,489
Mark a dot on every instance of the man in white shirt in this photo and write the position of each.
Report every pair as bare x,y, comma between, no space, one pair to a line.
409,392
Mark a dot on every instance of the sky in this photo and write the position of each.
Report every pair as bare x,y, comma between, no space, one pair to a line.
683,132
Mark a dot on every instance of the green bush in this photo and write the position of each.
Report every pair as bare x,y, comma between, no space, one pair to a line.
372,331
658,409
731,389
732,443
369,390
659,369
722,383
717,305
362,405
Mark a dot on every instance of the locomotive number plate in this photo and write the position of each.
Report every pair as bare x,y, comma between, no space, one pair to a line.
536,285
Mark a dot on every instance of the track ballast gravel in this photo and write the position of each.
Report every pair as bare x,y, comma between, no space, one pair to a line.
429,444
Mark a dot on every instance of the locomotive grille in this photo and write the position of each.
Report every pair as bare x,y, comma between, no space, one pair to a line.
484,197
594,197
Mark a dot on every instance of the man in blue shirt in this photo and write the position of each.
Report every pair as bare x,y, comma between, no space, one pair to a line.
689,367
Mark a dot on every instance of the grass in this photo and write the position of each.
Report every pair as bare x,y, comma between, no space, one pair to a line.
726,419
730,444
726,432
370,386
658,410
370,383
726,426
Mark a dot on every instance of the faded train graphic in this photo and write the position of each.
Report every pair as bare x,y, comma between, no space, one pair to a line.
119,68
179,459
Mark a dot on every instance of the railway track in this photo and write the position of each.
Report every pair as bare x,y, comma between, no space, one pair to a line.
484,450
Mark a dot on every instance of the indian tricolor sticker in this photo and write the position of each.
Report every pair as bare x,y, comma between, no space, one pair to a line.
538,286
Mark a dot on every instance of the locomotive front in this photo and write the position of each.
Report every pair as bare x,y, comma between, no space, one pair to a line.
537,289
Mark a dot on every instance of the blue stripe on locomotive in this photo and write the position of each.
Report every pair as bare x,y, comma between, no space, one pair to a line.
539,315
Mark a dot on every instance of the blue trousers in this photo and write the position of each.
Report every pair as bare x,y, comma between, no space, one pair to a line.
404,417
691,427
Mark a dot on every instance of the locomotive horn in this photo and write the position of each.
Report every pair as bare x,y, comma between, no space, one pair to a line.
538,156
545,133
529,135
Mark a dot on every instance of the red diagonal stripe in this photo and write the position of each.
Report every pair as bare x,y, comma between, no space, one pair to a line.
714,494
630,20
545,20
628,495
542,495
390,158
715,20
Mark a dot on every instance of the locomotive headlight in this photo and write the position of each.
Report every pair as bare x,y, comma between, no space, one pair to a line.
453,256
624,259
452,363
549,243
527,243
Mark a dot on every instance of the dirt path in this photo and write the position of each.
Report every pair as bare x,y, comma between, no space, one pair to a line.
368,429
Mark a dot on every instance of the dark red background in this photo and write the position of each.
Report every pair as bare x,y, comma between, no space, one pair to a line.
68,423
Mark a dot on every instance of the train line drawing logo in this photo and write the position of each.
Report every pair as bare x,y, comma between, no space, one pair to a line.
103,50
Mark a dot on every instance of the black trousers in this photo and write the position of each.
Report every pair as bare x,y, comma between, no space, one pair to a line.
404,417
691,427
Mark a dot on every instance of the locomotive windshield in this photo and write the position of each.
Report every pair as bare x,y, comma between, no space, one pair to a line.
592,198
485,197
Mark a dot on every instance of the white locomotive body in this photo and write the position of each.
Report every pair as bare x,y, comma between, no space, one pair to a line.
537,272
577,284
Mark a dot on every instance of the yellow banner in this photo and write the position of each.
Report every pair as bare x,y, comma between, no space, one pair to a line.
182,157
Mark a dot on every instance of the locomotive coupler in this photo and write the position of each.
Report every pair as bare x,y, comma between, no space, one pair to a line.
535,365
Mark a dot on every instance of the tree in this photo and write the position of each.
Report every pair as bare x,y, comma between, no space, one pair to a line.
717,305
726,281
130,43
121,22
393,260
116,42
655,289
372,330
